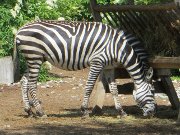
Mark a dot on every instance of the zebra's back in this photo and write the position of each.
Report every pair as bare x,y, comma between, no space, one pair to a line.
68,45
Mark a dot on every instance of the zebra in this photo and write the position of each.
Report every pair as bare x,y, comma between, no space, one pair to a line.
78,45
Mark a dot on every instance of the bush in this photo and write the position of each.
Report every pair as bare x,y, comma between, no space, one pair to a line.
43,74
14,14
6,35
74,10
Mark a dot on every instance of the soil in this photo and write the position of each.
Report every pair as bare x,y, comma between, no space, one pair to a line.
61,101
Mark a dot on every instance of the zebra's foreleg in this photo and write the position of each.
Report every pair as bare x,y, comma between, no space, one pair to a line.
109,75
24,89
92,77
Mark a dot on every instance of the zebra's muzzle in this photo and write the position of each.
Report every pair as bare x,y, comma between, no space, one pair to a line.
150,111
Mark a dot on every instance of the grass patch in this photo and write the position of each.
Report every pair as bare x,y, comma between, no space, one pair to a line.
45,76
175,78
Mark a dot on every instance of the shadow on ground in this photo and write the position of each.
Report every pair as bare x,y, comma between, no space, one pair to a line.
96,127
103,129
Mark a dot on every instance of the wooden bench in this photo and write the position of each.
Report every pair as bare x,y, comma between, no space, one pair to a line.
162,81
117,15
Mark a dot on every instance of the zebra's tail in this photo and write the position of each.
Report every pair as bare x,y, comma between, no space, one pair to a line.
16,62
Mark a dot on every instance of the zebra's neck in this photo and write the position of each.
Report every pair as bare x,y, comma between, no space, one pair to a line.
133,63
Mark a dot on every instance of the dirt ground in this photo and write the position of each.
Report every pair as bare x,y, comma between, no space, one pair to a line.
61,101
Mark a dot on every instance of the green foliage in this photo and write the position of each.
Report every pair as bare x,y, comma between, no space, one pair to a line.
176,78
76,10
8,3
6,35
43,74
38,9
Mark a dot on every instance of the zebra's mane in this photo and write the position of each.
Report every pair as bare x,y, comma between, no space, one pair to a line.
71,23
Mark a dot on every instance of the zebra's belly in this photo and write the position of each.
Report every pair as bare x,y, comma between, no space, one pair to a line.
70,65
73,66
113,65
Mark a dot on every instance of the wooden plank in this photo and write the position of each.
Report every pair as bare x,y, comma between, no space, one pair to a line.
160,62
153,7
165,62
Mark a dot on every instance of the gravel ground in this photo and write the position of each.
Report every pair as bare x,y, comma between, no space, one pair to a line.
61,101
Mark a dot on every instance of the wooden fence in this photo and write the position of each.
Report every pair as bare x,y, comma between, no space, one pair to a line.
160,20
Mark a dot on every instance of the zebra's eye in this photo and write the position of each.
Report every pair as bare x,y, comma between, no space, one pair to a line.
152,89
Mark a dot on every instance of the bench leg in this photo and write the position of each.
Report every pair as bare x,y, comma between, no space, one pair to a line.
170,91
178,120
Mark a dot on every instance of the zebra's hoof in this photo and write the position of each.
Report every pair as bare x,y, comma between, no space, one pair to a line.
148,116
122,115
30,115
85,115
29,112
40,114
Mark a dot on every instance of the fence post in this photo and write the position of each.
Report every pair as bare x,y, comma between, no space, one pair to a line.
96,15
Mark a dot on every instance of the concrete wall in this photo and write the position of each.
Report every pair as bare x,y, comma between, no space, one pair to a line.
6,70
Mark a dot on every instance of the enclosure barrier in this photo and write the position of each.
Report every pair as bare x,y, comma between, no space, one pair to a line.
141,19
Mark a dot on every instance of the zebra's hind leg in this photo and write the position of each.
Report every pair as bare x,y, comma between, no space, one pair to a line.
32,85
109,75
24,89
92,77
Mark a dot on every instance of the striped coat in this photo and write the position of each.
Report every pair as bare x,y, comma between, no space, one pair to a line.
77,45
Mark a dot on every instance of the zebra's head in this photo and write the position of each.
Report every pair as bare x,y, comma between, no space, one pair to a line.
144,95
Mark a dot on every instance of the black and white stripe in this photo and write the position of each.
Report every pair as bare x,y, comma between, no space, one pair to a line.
77,45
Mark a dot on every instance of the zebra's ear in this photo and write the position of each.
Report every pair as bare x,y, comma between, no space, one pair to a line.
149,74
